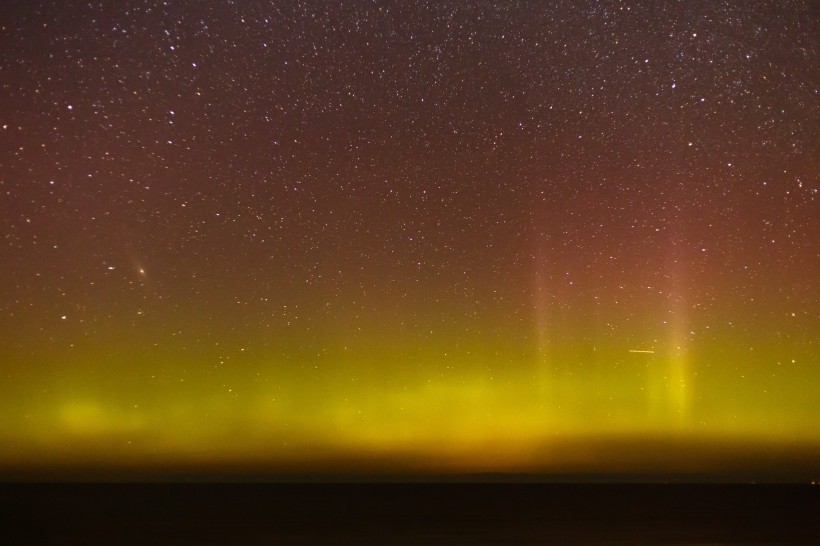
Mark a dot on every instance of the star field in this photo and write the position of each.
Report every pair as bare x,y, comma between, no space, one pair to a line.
289,231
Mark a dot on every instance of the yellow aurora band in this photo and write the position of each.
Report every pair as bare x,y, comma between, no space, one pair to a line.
507,417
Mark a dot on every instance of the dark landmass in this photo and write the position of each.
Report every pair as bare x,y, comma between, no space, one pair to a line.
409,513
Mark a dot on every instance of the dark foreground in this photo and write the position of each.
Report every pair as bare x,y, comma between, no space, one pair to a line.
205,514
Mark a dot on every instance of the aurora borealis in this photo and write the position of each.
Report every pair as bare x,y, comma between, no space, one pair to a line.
448,236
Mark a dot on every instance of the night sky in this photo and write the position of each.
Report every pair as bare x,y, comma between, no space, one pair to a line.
471,236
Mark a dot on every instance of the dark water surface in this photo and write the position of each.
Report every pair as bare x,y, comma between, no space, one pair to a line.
205,514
